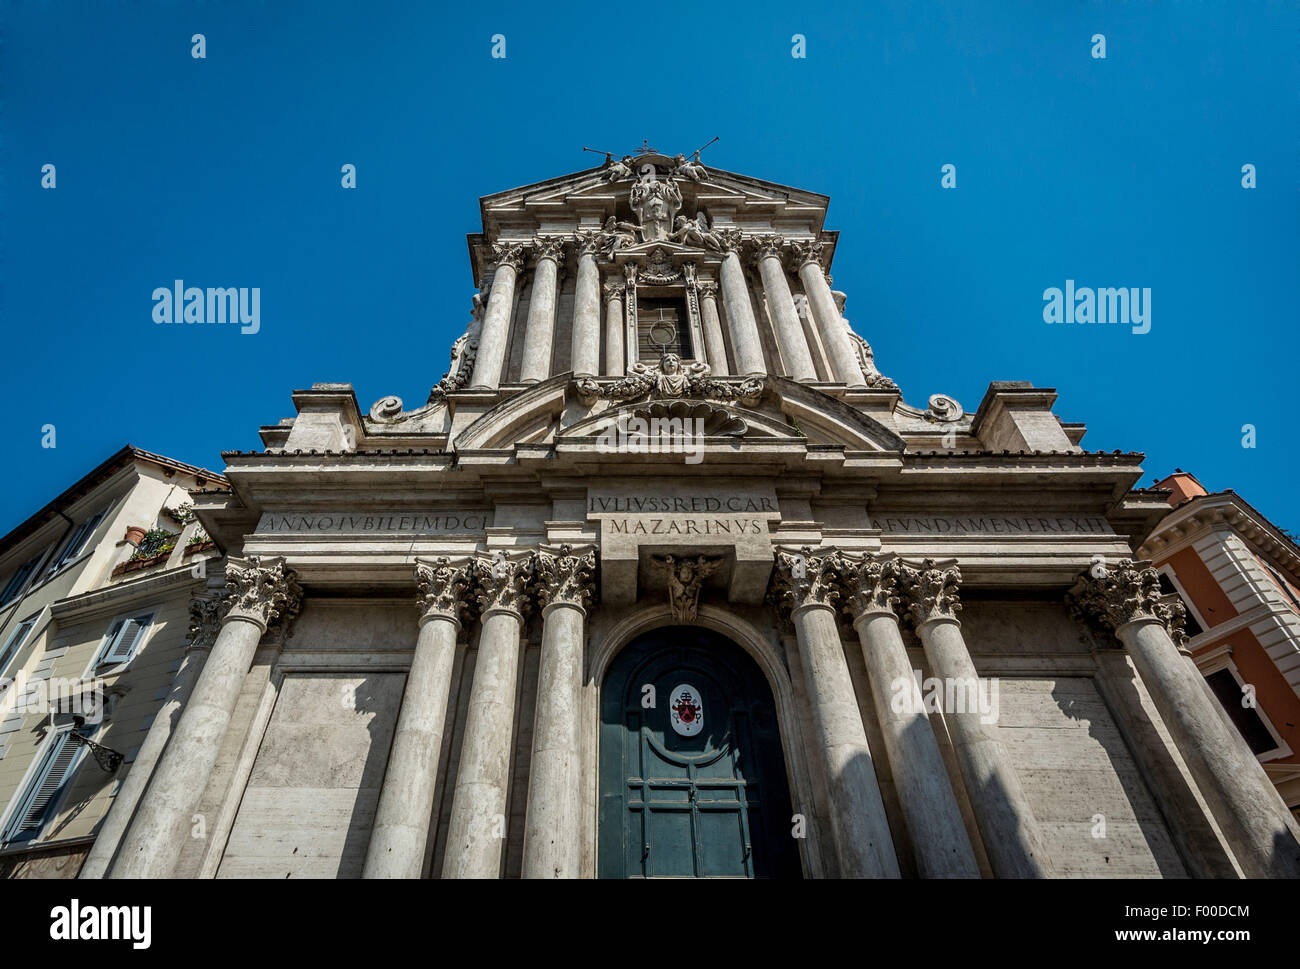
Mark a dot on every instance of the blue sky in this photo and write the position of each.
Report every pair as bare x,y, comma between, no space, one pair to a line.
225,172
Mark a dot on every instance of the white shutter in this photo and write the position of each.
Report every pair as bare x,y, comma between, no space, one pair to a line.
122,644
55,769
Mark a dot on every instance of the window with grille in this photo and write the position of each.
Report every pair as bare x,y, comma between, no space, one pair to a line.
662,326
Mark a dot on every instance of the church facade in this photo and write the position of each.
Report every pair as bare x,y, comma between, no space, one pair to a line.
666,579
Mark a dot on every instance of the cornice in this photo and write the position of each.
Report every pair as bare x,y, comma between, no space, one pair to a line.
1199,516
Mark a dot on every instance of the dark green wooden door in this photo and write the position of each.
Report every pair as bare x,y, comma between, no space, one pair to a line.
693,785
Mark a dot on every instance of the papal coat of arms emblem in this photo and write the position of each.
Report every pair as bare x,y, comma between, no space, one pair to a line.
687,710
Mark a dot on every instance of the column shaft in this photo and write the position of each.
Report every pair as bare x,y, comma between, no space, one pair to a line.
785,319
934,822
399,837
745,341
115,823
614,326
858,821
553,830
162,822
715,347
586,318
1263,836
476,834
540,335
835,335
495,331
1002,811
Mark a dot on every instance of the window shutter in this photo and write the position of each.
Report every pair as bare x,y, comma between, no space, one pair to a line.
19,580
122,645
54,772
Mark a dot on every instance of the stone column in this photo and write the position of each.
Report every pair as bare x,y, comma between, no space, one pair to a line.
715,348
934,822
477,830
205,618
260,592
399,836
586,309
614,326
745,341
1006,822
495,331
1259,829
785,318
807,585
553,829
835,335
540,335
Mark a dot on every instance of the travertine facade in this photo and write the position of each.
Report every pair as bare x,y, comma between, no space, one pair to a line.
643,587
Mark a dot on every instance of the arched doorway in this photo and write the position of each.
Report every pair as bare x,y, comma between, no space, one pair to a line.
692,773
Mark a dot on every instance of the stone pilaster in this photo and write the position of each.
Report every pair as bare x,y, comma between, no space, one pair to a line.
934,822
259,592
399,837
1002,812
553,828
807,585
1126,600
745,341
807,261
539,337
785,318
495,330
477,830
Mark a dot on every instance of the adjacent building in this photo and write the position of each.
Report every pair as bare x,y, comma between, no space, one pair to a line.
95,593
1238,576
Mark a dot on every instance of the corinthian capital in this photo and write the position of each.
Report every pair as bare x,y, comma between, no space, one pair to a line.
588,243
707,289
1124,593
806,578
564,578
873,585
262,591
931,591
802,253
443,586
729,240
502,582
509,254
613,290
206,613
548,247
768,246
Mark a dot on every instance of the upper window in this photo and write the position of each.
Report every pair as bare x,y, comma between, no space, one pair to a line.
122,640
37,800
18,580
1228,688
14,642
76,542
1190,625
662,327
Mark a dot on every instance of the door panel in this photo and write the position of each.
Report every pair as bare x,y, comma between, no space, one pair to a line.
709,799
